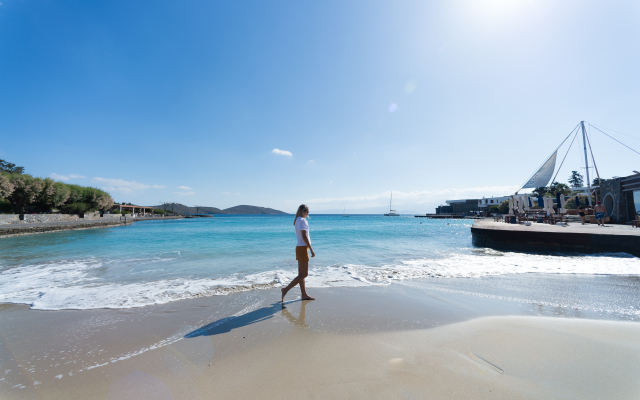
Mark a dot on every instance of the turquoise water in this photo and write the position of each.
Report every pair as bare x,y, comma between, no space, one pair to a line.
154,262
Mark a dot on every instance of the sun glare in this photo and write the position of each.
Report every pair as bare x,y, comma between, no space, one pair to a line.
498,12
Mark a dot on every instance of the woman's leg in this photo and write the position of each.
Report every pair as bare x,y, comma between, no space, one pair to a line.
303,271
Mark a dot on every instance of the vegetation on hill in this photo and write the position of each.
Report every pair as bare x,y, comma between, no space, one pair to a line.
251,210
182,209
243,209
26,193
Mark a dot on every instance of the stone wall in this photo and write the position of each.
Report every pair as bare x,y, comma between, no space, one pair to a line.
611,196
43,218
9,219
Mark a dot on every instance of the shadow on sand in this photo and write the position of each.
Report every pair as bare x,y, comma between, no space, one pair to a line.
262,314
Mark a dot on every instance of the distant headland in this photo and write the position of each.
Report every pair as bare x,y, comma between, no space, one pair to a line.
242,209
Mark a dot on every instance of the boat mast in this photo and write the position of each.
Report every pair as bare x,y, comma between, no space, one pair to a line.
391,198
586,160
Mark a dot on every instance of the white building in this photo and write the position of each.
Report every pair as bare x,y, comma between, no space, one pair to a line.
486,202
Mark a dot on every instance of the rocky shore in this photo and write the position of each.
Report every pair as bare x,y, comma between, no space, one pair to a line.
34,228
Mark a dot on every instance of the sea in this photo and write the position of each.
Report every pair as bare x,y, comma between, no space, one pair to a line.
156,262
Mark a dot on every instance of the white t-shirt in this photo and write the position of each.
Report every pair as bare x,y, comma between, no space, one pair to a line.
302,225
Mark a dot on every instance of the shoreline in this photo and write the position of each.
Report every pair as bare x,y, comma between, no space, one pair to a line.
395,341
13,230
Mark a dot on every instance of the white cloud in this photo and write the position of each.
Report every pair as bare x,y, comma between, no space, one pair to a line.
311,161
185,188
65,177
59,177
226,193
185,193
119,185
282,152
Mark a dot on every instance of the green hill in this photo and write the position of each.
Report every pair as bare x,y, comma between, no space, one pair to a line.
243,209
251,210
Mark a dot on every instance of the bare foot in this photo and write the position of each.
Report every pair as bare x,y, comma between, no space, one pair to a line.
307,297
283,294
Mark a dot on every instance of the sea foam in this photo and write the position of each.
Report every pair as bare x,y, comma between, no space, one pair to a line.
76,285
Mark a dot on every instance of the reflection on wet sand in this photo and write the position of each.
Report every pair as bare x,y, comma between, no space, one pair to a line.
299,322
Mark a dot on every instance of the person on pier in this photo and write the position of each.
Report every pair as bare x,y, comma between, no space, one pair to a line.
601,212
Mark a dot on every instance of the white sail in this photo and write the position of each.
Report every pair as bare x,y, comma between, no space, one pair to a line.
544,174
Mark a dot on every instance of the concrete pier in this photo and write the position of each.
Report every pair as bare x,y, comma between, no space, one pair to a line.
588,238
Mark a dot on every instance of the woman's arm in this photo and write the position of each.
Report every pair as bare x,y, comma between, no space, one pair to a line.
306,240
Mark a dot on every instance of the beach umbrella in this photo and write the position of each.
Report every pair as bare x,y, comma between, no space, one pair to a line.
541,202
527,202
548,205
577,201
562,201
511,206
521,205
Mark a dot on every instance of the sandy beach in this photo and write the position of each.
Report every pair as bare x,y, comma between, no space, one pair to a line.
397,341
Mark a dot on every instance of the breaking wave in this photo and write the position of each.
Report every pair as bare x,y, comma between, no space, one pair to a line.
64,285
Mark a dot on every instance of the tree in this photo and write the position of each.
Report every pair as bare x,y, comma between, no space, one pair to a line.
504,207
11,168
26,193
61,194
576,179
103,200
557,187
541,191
596,182
6,187
26,190
197,209
44,201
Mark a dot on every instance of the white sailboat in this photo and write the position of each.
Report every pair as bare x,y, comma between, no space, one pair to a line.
543,176
391,213
343,212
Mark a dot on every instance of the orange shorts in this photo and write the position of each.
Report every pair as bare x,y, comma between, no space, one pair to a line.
302,253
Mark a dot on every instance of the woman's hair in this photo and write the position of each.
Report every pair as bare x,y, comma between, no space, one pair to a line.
301,209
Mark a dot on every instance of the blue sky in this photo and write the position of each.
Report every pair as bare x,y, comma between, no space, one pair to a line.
433,100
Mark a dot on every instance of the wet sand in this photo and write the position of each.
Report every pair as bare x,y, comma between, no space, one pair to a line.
388,342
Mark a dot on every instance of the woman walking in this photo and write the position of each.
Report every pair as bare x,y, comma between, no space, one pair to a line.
302,252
